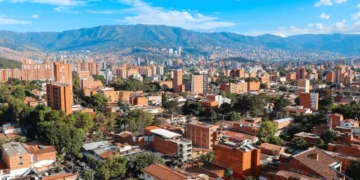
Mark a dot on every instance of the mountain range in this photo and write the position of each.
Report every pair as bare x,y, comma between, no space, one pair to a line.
111,38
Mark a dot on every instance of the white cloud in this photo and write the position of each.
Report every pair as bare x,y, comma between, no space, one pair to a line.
55,2
319,26
355,16
35,16
339,1
314,28
144,13
6,21
324,3
324,16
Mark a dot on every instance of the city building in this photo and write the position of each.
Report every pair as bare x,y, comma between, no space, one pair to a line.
5,74
300,73
291,111
19,159
335,120
63,73
312,162
168,143
303,85
60,97
37,71
253,86
197,82
309,100
236,88
203,135
178,81
243,159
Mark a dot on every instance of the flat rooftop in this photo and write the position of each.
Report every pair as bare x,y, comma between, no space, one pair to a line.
14,148
165,133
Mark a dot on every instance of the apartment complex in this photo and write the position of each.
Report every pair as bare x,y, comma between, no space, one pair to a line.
168,143
90,66
38,71
19,159
309,100
5,74
303,85
236,88
241,158
203,135
178,85
60,97
63,73
197,83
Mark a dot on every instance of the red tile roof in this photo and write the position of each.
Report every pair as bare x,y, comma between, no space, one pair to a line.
162,172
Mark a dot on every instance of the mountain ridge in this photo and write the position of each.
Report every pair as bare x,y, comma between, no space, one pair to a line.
113,37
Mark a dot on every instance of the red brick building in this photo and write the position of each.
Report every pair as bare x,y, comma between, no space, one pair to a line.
202,135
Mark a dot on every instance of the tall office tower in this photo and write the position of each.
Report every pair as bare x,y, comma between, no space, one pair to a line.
60,97
303,85
300,73
197,82
178,81
63,73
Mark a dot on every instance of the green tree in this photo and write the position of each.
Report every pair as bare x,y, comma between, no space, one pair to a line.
208,156
88,174
81,120
99,77
141,160
298,143
235,116
19,93
353,170
99,102
328,136
267,131
277,140
263,86
137,120
294,129
225,108
64,137
125,107
112,168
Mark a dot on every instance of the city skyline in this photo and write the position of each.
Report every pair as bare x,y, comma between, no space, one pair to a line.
238,16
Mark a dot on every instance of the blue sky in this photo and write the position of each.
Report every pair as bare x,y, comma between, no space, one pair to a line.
250,17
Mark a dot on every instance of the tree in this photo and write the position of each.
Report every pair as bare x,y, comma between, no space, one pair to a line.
19,93
98,101
295,128
81,120
277,140
64,137
225,108
125,107
88,174
208,156
137,120
99,77
235,116
298,143
267,131
353,170
112,168
328,136
141,160
263,86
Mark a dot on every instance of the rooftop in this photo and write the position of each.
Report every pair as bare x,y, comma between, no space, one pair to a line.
14,148
162,172
95,145
165,133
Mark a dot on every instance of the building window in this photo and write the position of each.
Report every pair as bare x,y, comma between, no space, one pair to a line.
20,157
20,163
